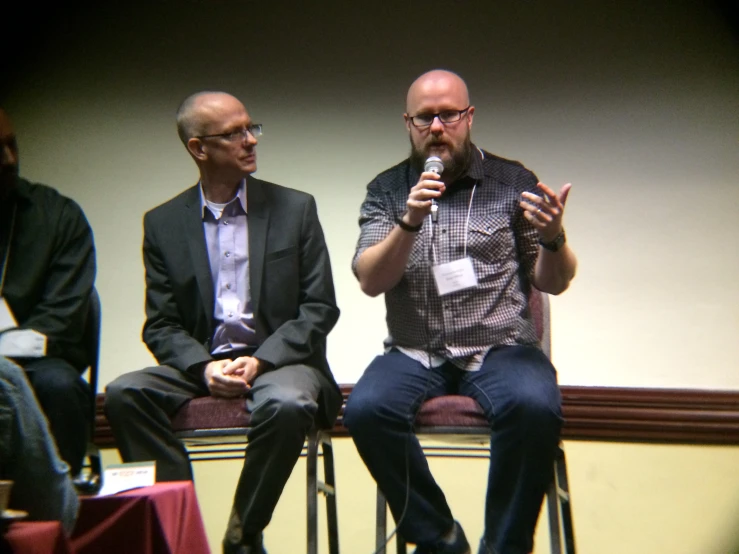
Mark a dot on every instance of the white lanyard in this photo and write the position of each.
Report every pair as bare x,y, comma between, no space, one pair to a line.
466,230
467,223
7,252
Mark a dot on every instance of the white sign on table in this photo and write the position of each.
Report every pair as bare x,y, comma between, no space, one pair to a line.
124,477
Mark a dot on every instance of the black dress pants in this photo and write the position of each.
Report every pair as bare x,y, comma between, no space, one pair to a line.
283,404
65,400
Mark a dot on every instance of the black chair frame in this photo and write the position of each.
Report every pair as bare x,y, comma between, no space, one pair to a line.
558,494
90,478
318,444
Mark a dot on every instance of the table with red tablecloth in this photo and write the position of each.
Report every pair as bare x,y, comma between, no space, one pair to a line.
161,519
35,537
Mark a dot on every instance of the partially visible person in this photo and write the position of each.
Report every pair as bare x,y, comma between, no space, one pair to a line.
47,265
42,485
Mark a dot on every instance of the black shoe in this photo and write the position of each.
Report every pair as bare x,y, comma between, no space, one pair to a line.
87,483
252,545
459,545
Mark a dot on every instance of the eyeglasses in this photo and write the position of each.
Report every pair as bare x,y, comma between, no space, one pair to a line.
447,116
239,134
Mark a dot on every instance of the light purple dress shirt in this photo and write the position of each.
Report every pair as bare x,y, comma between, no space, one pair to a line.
227,237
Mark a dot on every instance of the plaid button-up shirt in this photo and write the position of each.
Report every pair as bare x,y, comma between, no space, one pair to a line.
464,325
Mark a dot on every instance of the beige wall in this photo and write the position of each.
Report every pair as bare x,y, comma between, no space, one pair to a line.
627,498
635,103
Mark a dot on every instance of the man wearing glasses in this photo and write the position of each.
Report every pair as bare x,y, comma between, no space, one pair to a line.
456,250
239,301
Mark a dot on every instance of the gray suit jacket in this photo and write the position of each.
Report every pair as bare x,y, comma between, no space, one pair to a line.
291,284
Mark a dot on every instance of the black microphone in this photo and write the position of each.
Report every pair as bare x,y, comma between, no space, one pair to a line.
434,164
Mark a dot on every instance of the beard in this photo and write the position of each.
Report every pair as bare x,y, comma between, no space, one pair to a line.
455,163
8,177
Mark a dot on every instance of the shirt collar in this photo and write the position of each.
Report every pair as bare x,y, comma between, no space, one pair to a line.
240,194
474,169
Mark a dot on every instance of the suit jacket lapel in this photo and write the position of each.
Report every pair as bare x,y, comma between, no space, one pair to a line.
258,216
193,223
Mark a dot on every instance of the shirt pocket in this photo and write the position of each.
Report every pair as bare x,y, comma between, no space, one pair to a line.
491,239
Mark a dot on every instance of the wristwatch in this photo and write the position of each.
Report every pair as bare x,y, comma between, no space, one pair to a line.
556,243
409,228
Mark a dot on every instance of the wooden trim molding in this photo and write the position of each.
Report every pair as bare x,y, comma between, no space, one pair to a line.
622,414
617,414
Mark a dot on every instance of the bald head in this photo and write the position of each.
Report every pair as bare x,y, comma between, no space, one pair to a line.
217,133
199,110
433,85
439,119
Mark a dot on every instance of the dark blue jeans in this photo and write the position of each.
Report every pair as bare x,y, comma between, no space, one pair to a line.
517,389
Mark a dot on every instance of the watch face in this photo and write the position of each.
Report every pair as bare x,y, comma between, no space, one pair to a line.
555,244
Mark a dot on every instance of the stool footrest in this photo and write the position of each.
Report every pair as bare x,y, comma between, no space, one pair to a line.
328,490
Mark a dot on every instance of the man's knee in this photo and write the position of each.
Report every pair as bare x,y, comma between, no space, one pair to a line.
387,394
57,380
121,393
538,408
363,409
531,391
286,407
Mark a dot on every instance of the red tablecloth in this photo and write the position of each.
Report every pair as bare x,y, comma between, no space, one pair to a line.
36,537
162,519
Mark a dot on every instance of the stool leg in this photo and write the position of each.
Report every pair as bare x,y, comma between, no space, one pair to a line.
381,519
400,545
330,490
553,509
312,493
563,494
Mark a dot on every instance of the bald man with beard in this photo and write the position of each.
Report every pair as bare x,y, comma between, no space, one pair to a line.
239,301
456,285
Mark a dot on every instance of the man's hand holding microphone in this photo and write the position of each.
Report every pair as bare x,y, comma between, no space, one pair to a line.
422,198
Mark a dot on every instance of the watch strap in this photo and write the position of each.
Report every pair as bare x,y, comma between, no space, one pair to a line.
410,228
556,243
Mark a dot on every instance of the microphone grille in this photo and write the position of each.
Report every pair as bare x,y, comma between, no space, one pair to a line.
434,163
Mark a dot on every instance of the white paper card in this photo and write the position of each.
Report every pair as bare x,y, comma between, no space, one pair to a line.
124,477
7,319
454,276
23,343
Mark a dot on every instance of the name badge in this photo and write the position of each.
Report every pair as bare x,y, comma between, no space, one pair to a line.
7,319
454,276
